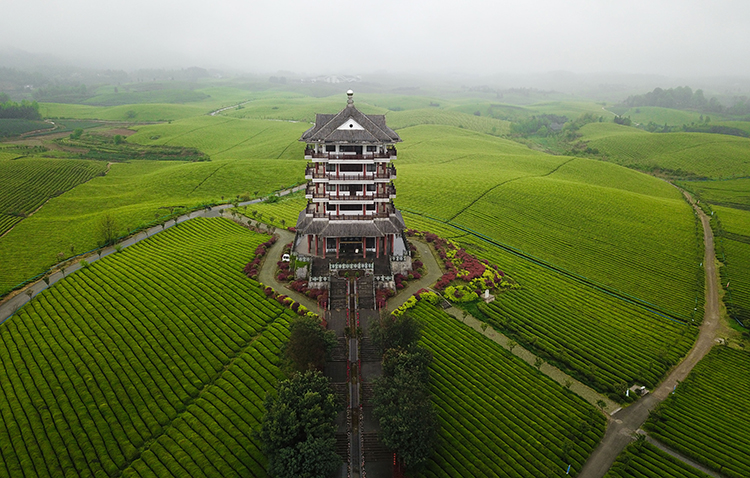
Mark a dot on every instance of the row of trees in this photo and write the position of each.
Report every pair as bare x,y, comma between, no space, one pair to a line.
298,430
401,401
553,125
683,97
24,110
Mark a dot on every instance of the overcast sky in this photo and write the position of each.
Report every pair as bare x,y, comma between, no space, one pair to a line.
666,37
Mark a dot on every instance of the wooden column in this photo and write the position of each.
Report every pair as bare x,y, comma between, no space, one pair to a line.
338,240
364,248
377,248
392,237
316,245
309,243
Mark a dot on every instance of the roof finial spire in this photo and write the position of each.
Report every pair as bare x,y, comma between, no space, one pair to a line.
349,95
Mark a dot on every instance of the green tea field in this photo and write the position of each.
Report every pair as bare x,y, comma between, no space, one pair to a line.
151,362
29,183
600,221
134,193
703,419
471,374
681,155
644,460
729,201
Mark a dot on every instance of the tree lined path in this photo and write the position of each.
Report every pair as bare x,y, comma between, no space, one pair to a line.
626,422
15,300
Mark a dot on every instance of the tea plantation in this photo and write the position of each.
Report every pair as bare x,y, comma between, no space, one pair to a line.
29,182
480,390
150,362
704,418
644,460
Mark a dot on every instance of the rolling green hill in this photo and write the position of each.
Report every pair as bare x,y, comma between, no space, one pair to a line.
28,183
134,193
682,155
618,227
225,138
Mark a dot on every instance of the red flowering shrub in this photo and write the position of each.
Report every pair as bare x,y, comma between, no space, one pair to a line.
300,285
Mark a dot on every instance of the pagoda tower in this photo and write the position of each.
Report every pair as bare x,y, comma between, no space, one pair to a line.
350,213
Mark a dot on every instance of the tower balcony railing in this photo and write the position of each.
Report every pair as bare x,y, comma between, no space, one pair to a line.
310,211
312,154
388,193
314,173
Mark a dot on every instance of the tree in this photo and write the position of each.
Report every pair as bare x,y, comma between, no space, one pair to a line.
76,134
298,428
402,406
118,139
392,332
511,345
107,229
601,404
483,326
309,344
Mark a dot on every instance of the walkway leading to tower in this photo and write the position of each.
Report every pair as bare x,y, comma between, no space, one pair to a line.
354,364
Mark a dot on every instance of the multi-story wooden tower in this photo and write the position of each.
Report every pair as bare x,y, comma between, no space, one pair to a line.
350,212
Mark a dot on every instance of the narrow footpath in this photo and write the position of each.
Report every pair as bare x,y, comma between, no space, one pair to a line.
15,300
626,422
427,256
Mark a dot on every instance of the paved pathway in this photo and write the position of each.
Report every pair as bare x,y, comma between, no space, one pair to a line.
620,430
586,392
15,300
267,272
433,274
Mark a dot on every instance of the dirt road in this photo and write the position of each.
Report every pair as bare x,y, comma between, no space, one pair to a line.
625,423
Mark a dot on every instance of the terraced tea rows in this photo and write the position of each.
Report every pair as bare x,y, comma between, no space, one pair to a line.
151,362
614,226
499,416
134,193
482,124
29,182
602,340
704,419
644,460
678,154
224,137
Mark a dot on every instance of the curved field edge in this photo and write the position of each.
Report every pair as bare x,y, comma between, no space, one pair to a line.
156,358
29,182
683,155
135,194
495,410
615,226
602,340
702,419
644,460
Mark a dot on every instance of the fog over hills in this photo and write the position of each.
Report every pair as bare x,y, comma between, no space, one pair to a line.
672,38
